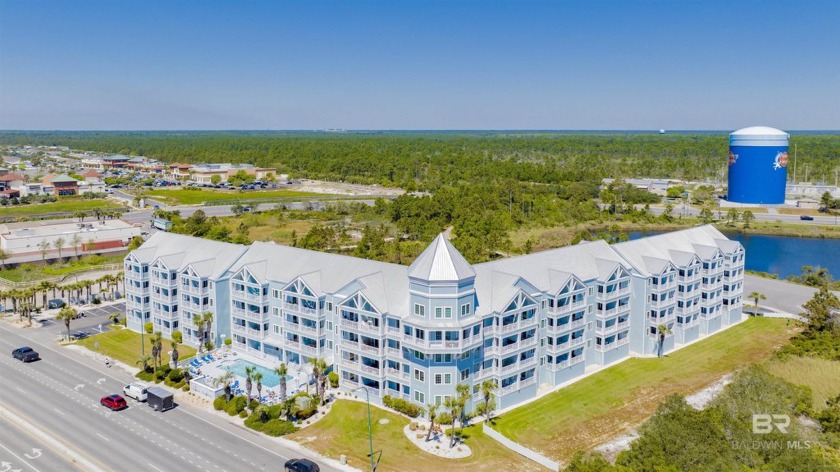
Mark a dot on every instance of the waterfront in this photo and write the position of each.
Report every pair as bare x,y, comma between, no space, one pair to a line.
783,255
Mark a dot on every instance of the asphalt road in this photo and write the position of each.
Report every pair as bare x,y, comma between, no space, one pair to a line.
694,212
60,395
22,450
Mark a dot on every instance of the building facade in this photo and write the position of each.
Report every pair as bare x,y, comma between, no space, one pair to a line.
531,323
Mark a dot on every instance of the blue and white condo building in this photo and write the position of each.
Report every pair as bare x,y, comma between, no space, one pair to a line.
531,322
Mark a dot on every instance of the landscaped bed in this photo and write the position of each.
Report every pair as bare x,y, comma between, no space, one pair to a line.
194,196
606,404
345,431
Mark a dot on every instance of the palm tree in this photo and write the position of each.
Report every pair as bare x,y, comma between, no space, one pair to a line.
44,246
258,379
488,388
175,354
463,391
66,314
3,256
663,331
249,374
756,296
80,215
225,380
281,372
59,244
318,367
75,241
154,339
145,362
115,317
44,287
452,405
432,416
198,321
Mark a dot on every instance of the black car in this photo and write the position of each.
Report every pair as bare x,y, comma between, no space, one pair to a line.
301,465
25,354
806,218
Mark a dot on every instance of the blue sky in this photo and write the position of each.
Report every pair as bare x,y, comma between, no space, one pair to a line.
597,64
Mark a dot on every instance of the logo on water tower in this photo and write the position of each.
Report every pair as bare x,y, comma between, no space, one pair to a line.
781,160
733,158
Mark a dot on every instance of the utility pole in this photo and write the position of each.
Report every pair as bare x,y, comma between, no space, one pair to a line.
794,164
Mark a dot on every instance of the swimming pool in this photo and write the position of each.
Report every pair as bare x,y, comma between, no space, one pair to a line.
270,378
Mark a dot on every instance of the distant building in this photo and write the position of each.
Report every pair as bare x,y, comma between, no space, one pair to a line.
179,170
808,204
204,173
63,184
21,238
117,161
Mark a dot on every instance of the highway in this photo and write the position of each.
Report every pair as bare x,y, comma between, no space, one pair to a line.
25,451
59,396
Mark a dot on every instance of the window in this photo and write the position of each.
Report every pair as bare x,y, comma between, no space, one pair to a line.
419,375
465,374
419,310
419,397
438,312
443,379
465,309
276,329
447,312
275,293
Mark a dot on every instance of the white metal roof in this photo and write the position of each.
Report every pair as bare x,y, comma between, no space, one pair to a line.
441,262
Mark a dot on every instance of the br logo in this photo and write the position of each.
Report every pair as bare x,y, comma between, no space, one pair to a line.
763,423
781,161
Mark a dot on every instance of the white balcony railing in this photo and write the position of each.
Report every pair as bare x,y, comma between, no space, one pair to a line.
613,345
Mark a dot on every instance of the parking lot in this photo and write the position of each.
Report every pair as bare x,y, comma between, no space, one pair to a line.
90,319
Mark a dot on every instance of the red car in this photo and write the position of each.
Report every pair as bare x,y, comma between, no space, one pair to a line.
114,402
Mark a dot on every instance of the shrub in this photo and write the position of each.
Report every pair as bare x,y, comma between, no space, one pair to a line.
230,409
145,376
443,418
160,374
405,407
333,378
253,404
219,403
243,414
186,387
239,402
278,428
304,414
176,375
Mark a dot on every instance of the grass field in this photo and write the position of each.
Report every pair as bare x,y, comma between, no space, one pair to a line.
604,405
29,272
124,345
344,431
821,375
195,197
56,207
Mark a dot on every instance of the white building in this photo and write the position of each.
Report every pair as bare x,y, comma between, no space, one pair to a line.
530,322
21,238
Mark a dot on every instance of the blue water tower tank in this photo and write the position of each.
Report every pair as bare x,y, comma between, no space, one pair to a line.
758,159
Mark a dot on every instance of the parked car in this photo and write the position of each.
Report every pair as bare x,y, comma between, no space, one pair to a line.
113,402
301,465
55,303
137,391
246,209
25,354
806,218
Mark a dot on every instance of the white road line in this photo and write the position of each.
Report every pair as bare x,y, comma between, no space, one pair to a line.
150,465
58,411
20,390
103,437
20,458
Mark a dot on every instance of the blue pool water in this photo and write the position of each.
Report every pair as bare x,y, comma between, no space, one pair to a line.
270,378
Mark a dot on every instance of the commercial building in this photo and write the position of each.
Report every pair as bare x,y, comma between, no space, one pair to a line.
531,322
203,173
25,237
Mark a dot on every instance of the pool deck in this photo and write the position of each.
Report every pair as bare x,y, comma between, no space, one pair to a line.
301,375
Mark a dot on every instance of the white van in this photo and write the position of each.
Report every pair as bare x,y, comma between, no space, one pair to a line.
137,391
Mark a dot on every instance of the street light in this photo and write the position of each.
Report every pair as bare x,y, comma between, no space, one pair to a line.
370,426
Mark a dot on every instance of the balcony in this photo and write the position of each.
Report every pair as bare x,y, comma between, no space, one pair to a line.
614,294
257,333
168,299
393,330
509,389
239,329
398,374
371,349
249,315
193,290
568,307
529,323
663,319
298,308
393,351
689,280
519,365
490,350
659,288
613,328
658,304
689,324
603,313
377,371
312,350
613,345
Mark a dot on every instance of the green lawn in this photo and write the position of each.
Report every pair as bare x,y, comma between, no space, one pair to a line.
344,431
822,376
56,207
194,197
29,272
602,406
124,345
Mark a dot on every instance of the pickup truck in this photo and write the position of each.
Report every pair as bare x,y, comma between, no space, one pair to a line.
25,354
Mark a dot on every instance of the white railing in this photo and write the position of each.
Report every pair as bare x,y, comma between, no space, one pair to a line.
527,382
613,328
256,332
239,329
372,370
510,388
371,349
613,345
308,349
393,330
393,351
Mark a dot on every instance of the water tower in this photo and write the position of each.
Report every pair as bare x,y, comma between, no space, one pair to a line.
758,159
